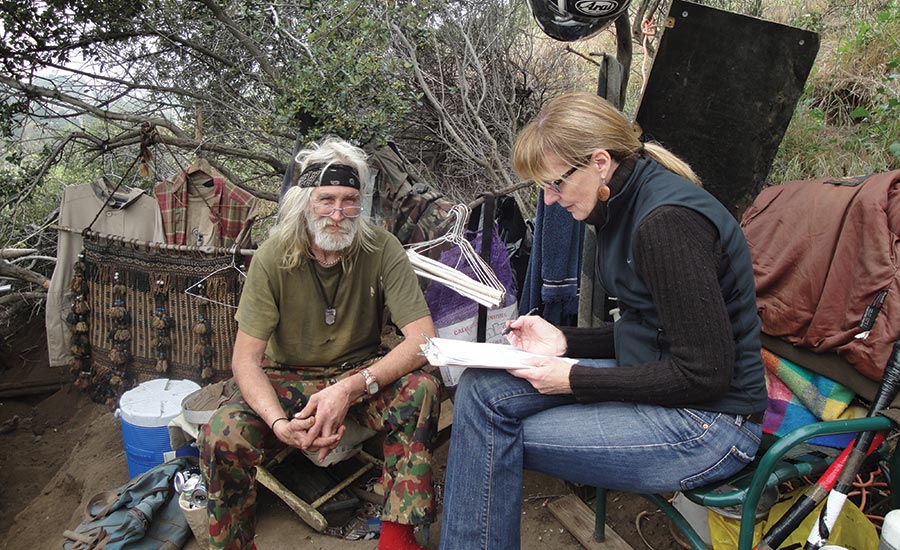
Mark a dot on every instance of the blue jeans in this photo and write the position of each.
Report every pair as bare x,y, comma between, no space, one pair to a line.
502,425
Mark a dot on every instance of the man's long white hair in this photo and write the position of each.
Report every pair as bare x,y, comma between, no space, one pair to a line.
291,229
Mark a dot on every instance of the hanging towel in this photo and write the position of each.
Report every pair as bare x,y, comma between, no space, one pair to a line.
551,282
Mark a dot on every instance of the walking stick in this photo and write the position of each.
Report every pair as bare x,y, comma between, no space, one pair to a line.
839,474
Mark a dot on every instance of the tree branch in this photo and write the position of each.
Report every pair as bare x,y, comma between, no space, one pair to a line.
93,39
10,270
196,47
192,144
572,50
69,101
434,102
21,296
12,253
244,40
45,166
132,85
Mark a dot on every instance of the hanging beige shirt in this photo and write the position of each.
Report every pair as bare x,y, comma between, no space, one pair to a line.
134,214
200,224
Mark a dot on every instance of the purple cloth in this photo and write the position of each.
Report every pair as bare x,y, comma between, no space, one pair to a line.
449,307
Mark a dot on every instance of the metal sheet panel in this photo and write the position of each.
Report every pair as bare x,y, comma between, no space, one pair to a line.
721,93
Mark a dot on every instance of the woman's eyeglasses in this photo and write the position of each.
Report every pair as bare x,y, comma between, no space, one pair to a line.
554,185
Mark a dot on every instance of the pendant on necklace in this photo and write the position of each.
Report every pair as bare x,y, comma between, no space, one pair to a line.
330,316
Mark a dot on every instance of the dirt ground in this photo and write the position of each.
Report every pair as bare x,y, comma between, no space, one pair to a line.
63,449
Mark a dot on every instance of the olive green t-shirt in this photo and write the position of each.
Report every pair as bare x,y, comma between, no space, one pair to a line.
287,309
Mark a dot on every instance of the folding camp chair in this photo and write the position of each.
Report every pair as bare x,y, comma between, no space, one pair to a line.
312,509
780,459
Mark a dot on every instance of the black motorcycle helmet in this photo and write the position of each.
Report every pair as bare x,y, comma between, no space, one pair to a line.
570,20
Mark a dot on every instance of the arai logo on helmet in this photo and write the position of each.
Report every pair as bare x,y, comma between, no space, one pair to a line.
596,8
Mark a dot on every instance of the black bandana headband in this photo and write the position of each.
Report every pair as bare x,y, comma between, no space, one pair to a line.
334,174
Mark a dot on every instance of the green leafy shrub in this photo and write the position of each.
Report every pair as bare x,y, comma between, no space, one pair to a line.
848,120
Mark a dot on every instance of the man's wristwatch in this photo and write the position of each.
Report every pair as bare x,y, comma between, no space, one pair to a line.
371,383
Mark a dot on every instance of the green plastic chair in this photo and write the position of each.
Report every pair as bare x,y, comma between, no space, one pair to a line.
773,467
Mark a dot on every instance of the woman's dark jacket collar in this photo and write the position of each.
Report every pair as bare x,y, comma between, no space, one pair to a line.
597,217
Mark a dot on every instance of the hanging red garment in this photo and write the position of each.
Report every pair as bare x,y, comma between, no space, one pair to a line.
229,207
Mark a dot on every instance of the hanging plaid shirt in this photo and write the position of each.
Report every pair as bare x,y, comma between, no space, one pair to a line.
229,209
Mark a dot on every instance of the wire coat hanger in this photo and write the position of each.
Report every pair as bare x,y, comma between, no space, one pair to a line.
485,288
197,290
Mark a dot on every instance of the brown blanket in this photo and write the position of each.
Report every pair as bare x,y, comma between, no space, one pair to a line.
822,251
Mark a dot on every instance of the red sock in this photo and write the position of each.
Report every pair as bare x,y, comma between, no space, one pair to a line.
396,536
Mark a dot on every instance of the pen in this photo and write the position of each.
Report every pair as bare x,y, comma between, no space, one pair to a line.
508,329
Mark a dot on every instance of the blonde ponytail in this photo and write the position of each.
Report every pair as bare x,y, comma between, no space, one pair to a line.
670,162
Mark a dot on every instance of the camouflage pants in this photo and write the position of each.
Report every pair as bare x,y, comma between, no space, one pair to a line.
236,440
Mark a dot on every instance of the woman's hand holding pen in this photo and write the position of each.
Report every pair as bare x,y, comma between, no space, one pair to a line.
535,335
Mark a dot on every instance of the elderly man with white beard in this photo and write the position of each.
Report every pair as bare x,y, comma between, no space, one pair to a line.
307,354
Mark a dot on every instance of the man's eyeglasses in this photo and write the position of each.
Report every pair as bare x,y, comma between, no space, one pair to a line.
554,185
329,209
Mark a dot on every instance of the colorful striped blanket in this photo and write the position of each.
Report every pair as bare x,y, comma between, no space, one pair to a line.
798,397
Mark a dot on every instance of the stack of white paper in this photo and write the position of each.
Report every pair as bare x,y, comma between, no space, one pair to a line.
444,352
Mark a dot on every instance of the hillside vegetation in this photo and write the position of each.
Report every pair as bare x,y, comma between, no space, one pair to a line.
848,120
